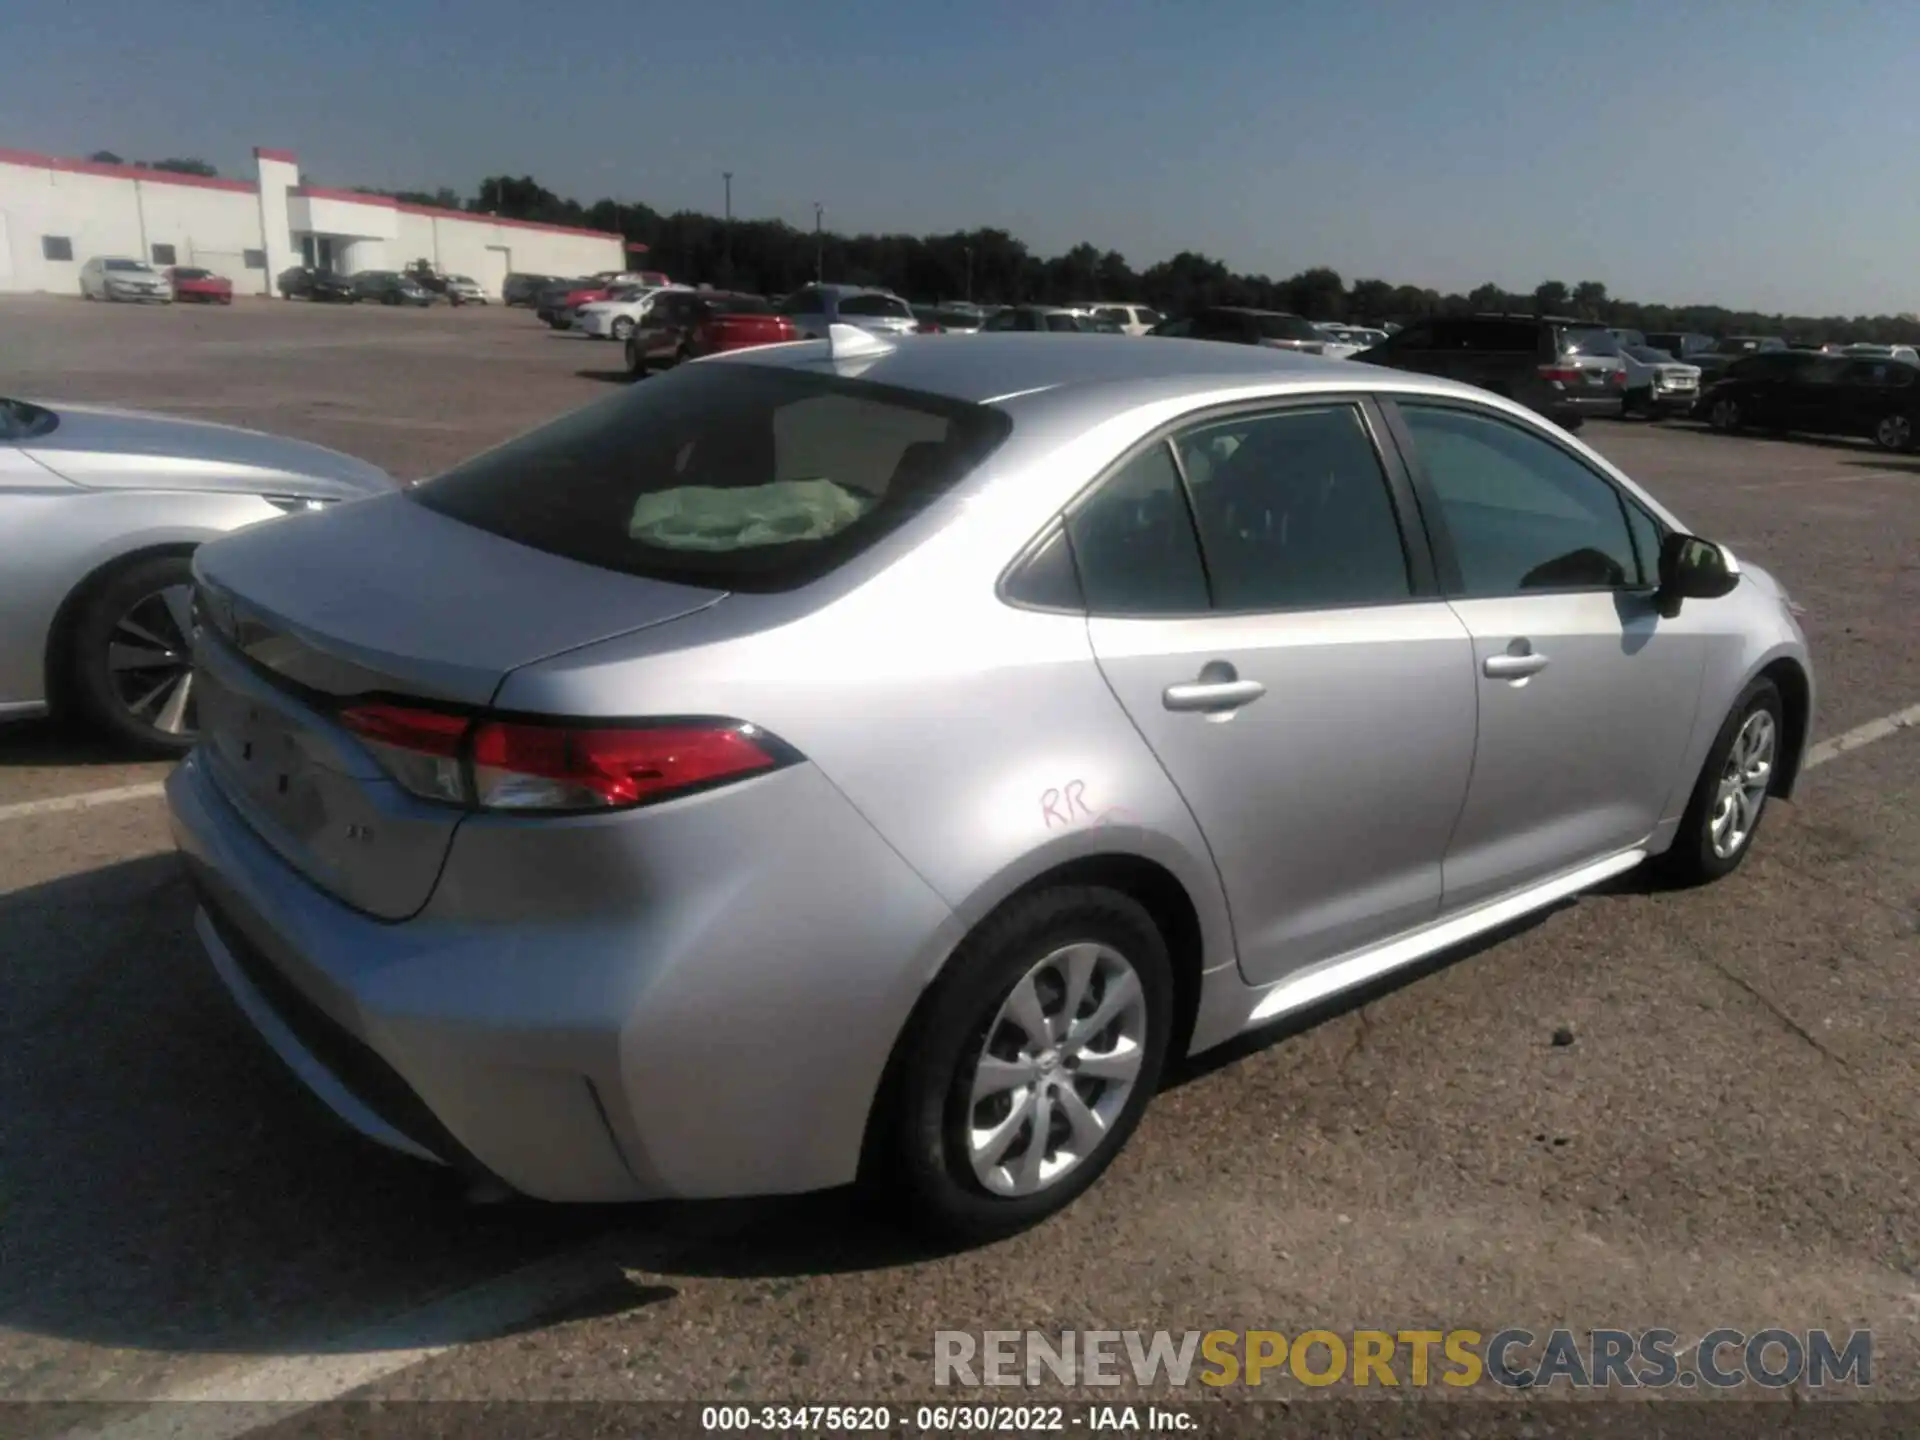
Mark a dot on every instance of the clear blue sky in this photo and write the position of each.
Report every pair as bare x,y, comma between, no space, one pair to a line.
1747,152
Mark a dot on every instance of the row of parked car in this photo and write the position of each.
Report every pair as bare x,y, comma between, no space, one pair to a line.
412,286
1564,368
117,277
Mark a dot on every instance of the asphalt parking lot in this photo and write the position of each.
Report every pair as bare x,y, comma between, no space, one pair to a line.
1732,1137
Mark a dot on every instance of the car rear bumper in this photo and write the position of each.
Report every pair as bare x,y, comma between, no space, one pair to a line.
633,1019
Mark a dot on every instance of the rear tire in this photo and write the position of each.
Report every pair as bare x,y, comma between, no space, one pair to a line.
127,662
1894,432
621,328
1730,798
974,1156
636,362
1724,415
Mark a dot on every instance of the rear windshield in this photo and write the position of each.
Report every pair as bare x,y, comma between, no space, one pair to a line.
732,476
1285,327
1588,342
181,272
876,305
122,265
743,305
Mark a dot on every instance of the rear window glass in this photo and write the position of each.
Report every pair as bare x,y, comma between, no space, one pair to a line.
876,305
1285,327
1061,321
743,305
1588,342
738,477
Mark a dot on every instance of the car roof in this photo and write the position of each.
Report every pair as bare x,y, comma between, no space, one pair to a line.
995,367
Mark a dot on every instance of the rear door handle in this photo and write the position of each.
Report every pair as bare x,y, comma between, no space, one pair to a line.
1213,694
1513,667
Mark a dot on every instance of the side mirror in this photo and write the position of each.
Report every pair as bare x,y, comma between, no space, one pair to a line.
1693,569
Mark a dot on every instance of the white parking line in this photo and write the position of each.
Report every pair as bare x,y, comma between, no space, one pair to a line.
1863,735
85,800
88,799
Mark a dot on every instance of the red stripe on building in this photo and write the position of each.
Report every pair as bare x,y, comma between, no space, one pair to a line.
120,172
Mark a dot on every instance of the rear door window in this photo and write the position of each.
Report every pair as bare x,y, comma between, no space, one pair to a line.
1294,512
728,476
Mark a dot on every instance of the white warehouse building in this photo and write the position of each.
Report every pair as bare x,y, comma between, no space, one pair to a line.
57,214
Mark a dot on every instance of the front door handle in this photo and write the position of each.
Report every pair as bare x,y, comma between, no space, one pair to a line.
1219,689
1513,665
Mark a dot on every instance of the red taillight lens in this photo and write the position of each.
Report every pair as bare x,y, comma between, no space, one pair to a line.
1562,373
511,765
1618,380
420,749
550,767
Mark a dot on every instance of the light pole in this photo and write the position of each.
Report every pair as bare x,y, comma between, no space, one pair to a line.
819,244
726,234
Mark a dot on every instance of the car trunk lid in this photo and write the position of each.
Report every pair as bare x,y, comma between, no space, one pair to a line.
304,617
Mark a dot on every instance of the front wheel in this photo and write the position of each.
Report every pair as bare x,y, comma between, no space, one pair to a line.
1724,415
1893,432
1027,1064
129,657
1730,796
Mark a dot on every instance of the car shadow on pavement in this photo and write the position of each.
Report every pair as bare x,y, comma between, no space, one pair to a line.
607,377
52,742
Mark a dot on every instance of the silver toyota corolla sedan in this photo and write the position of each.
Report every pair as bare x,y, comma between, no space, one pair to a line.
99,511
882,761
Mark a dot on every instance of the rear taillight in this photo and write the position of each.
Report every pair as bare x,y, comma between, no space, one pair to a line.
549,767
493,764
927,327
420,749
1618,380
1564,374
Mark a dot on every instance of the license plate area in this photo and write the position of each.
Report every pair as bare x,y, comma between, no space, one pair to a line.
263,754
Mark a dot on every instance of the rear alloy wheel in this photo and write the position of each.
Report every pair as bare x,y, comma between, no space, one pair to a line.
1730,797
131,657
1028,1064
1725,415
1894,432
622,327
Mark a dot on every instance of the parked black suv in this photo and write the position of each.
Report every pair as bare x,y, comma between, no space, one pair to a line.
305,283
519,289
1562,369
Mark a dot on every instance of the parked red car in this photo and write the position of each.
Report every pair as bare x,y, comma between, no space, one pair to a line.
200,286
686,324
